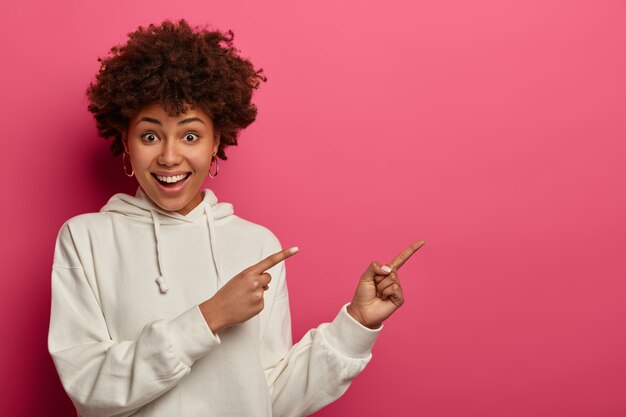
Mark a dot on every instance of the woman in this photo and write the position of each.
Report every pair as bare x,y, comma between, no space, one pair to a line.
161,302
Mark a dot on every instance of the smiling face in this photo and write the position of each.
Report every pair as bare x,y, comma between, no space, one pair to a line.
171,156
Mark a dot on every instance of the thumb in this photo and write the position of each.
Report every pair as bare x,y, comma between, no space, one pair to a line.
374,269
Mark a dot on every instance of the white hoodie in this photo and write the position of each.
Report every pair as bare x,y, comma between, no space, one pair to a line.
125,341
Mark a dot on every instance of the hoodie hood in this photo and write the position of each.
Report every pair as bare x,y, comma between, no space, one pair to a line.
140,208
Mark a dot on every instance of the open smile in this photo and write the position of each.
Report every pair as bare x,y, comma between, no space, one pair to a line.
171,183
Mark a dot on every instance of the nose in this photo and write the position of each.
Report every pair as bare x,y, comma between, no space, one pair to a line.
170,155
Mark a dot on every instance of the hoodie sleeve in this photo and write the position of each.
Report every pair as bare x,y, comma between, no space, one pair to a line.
106,377
319,368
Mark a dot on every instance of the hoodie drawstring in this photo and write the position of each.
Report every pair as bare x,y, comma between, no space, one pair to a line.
163,287
157,228
210,222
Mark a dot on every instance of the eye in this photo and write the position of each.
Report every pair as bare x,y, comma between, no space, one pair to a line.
149,137
191,137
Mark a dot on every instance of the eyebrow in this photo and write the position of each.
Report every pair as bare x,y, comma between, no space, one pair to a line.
158,122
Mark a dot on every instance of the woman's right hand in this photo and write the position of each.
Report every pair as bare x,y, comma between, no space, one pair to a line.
241,298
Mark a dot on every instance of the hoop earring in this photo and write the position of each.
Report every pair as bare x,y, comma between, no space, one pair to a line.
217,167
132,171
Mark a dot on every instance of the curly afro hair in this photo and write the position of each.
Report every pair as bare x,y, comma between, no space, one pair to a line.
177,66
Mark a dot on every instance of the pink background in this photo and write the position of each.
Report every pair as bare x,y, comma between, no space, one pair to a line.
494,130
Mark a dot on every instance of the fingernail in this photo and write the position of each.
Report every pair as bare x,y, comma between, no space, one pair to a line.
386,269
293,250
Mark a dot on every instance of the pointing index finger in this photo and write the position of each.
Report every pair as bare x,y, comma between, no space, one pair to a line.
274,259
404,256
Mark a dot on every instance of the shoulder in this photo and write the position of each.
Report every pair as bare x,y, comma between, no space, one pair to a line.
240,228
86,222
75,235
84,228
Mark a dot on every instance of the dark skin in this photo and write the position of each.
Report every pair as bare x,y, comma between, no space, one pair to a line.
378,294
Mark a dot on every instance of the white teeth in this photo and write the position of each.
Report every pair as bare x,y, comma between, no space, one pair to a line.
170,180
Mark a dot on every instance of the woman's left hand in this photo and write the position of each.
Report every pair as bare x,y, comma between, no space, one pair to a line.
379,294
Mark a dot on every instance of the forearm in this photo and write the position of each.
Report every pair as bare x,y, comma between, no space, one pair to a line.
320,367
104,377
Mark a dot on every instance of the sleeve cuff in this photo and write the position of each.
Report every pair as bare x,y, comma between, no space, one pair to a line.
349,336
191,336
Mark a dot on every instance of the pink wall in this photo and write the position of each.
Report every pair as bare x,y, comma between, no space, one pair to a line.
494,130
